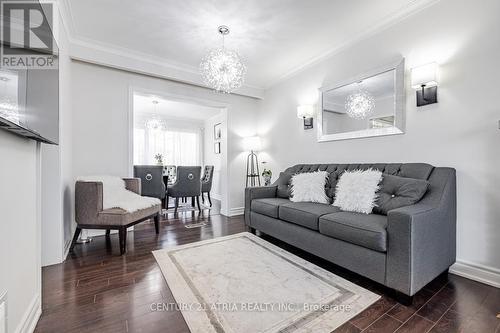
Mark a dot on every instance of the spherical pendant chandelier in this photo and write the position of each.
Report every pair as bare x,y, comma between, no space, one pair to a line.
360,104
222,69
155,123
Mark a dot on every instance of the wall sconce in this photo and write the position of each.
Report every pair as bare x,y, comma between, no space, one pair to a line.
306,112
424,79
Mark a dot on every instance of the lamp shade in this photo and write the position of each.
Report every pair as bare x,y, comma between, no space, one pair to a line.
425,75
305,111
252,143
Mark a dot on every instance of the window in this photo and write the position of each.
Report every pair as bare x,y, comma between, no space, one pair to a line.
178,146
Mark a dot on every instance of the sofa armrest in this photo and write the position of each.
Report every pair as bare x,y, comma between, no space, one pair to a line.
133,184
88,201
422,239
257,193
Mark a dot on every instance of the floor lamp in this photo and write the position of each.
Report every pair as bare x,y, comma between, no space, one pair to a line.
252,144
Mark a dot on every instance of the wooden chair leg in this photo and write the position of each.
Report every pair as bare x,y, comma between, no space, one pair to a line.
166,202
192,201
202,198
75,238
157,223
198,202
209,199
123,240
108,232
176,205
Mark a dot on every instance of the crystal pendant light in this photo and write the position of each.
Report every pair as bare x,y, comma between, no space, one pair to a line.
360,104
155,123
222,69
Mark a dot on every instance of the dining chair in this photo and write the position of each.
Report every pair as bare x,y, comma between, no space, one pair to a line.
187,184
206,183
151,180
170,172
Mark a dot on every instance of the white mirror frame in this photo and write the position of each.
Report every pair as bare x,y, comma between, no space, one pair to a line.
399,107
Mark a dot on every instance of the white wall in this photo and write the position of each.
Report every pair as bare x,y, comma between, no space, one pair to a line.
51,200
57,180
210,157
20,274
100,136
461,131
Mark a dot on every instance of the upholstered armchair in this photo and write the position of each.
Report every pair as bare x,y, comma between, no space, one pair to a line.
91,215
187,184
206,183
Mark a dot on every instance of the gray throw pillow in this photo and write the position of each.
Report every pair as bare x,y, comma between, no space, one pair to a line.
283,183
396,192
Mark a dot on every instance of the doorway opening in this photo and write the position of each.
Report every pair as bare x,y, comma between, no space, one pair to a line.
173,131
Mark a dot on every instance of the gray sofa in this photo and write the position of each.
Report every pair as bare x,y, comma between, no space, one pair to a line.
403,250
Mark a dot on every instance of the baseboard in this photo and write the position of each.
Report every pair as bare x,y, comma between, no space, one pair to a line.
236,211
31,317
476,272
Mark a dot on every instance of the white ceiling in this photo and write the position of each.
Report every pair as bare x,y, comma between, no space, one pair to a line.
274,37
143,104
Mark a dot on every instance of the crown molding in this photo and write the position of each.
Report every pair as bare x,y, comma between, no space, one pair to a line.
95,52
112,56
410,9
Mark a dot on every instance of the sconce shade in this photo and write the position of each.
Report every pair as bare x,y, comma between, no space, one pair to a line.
305,111
425,75
252,143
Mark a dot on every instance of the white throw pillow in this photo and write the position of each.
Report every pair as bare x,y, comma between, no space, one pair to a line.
309,187
356,190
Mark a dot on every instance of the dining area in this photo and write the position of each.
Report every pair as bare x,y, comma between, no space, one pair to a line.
178,187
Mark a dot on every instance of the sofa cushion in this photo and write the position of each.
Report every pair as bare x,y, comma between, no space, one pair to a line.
283,184
396,192
268,206
361,229
305,214
410,170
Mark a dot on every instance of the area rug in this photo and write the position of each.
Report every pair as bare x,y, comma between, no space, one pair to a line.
242,283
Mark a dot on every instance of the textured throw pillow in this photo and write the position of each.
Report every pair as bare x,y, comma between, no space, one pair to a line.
396,192
356,190
309,187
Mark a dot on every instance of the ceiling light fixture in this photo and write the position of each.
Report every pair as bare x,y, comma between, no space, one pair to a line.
222,69
155,123
360,104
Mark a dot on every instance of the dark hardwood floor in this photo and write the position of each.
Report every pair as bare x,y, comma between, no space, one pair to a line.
97,290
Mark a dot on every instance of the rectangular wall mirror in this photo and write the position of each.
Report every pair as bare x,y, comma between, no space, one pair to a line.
371,104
